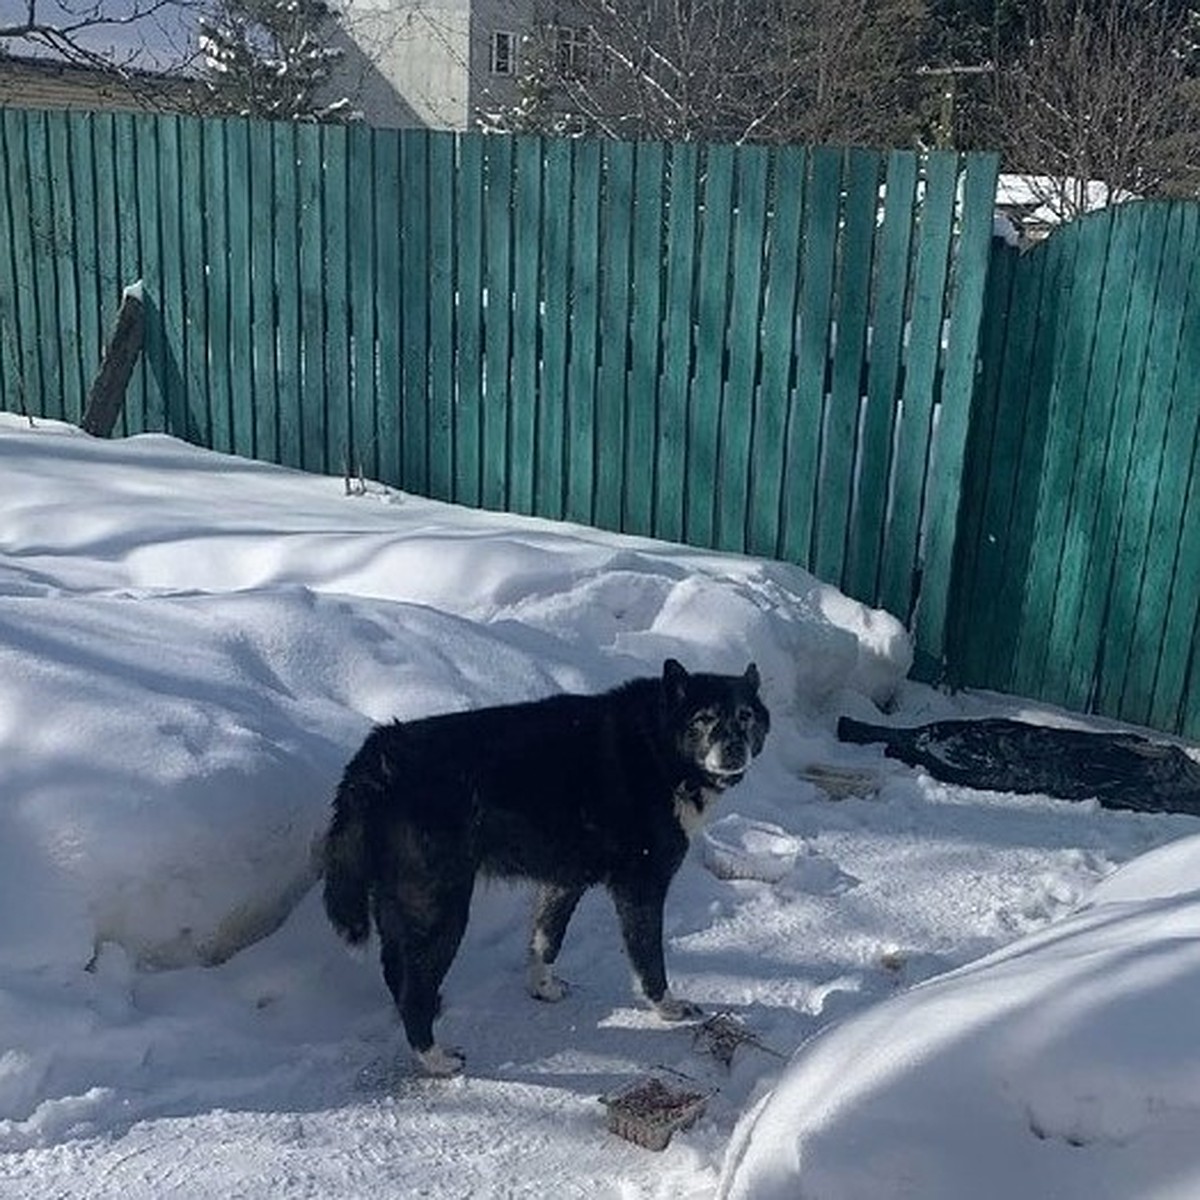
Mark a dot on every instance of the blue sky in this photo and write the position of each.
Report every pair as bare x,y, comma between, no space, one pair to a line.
159,40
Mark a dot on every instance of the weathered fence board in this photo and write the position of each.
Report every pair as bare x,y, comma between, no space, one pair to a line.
887,334
678,342
943,497
776,347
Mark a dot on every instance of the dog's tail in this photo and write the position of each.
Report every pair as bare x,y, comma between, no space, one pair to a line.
347,877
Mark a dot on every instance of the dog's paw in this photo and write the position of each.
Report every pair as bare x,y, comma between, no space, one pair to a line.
440,1063
670,1008
543,984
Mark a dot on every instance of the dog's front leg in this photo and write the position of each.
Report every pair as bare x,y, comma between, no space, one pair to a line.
640,911
551,913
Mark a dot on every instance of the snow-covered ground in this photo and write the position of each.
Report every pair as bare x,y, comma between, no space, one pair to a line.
191,646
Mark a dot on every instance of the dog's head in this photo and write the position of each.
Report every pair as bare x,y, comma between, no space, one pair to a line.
718,722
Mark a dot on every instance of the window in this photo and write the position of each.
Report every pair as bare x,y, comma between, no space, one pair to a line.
577,53
502,59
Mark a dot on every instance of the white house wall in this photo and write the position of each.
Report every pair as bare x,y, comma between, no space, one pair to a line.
422,51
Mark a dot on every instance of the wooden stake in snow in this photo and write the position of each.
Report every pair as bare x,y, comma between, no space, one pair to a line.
107,395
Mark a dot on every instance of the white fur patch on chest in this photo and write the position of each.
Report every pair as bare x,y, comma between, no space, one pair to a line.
693,807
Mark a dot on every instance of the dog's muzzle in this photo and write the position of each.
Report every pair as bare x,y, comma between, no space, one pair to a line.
726,765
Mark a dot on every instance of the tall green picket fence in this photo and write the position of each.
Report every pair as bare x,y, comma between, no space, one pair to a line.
1078,576
742,348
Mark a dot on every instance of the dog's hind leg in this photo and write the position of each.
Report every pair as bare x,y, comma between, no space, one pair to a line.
391,946
552,911
428,948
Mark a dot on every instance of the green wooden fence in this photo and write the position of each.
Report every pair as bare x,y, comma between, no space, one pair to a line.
785,351
740,348
1078,572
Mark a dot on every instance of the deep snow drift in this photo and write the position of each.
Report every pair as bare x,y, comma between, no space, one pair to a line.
190,648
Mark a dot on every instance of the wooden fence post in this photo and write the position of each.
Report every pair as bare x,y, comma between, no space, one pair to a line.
107,395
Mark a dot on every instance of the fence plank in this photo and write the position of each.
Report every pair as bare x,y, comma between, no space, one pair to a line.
41,225
1109,665
671,447
414,310
581,411
129,238
264,316
1027,384
1074,356
776,352
550,477
884,356
388,276
468,411
899,582
745,310
64,329
289,336
839,433
1179,667
361,248
192,353
613,345
704,417
314,444
497,319
27,256
220,391
84,252
12,385
802,458
1007,422
984,496
335,201
151,216
1110,418
526,283
171,281
441,315
945,485
645,337
109,279
240,283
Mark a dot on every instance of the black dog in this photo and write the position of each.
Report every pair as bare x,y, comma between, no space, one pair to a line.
569,791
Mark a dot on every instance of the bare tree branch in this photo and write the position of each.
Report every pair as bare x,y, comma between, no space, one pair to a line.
1103,94
730,70
71,32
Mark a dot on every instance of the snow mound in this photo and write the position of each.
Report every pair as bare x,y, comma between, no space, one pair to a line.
179,691
736,847
1051,1067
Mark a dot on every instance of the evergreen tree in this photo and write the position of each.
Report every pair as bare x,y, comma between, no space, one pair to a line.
270,59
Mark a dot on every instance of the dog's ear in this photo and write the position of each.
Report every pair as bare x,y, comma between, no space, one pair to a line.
675,679
751,676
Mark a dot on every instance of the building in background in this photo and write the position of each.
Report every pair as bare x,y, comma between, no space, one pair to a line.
442,64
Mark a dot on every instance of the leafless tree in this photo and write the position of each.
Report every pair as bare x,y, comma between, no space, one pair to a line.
106,34
856,65
1102,92
737,70
671,69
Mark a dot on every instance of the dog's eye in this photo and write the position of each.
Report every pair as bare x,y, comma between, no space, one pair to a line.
704,721
745,715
